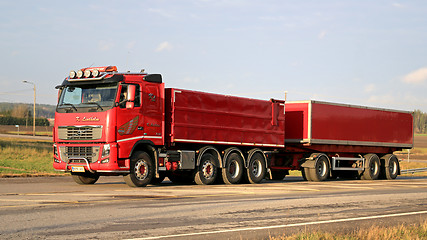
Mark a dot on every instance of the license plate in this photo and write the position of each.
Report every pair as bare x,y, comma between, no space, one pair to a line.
77,169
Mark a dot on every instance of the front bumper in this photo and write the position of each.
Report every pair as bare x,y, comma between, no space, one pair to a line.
90,157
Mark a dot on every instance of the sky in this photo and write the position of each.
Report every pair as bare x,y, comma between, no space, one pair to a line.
361,52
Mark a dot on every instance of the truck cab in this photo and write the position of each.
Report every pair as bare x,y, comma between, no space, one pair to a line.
102,117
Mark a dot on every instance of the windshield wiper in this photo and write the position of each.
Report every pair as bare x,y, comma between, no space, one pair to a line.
99,106
69,104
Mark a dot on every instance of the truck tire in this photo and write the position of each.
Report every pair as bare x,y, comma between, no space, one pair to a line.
389,167
372,167
207,171
141,170
85,178
256,170
233,171
321,169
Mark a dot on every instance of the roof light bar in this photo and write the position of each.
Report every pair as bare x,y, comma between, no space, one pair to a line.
91,73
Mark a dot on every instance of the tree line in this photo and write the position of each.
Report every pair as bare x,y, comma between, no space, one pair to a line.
20,114
420,121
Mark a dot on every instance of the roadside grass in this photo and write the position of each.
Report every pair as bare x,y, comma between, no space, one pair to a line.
38,133
413,231
19,156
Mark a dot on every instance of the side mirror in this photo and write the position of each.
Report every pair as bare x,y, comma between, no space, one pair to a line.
130,96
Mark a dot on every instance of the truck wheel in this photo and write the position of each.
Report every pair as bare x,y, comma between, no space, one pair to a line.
207,171
321,169
389,167
141,170
372,167
156,181
233,171
85,178
256,170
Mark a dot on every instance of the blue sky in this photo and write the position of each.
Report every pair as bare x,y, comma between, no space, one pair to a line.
359,52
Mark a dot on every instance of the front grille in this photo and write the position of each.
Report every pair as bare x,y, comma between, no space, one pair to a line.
73,154
80,132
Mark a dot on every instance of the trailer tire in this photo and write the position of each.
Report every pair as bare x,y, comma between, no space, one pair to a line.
305,174
207,170
256,170
233,171
321,169
389,167
85,178
141,170
372,167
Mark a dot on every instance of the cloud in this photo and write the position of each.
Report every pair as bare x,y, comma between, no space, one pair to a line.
369,88
398,5
105,45
416,77
160,12
322,34
164,46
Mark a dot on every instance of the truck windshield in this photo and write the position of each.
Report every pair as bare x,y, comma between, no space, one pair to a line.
101,97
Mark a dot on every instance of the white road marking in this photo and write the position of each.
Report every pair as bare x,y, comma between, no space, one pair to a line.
283,226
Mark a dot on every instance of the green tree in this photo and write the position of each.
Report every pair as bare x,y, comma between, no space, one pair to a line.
420,121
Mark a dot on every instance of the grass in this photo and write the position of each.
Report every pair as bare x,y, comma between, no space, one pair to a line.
18,156
417,231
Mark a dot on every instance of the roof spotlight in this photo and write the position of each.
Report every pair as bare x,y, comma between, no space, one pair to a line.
88,73
72,74
95,73
79,73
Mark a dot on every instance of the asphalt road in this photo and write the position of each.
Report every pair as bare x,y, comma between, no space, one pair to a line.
57,208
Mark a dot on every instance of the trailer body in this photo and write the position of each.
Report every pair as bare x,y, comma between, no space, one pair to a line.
316,122
206,118
111,123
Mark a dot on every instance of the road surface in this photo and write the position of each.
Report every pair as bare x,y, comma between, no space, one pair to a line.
57,208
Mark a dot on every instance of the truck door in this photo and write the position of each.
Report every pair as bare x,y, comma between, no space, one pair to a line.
153,112
129,121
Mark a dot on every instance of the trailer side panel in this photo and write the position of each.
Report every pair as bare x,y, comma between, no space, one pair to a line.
197,117
330,123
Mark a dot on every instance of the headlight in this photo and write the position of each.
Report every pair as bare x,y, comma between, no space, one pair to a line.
105,151
55,150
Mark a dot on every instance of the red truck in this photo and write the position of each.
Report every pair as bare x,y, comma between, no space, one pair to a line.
112,123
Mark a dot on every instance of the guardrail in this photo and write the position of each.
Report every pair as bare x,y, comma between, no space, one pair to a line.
414,170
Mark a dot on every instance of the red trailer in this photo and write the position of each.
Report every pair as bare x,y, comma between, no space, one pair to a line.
111,123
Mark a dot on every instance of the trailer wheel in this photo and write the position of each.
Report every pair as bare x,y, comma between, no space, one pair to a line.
207,170
305,174
321,170
256,169
141,170
372,167
233,170
389,167
85,178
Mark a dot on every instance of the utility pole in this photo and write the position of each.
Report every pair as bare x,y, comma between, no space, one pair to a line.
34,106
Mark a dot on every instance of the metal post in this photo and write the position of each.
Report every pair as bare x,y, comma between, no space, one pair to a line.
34,106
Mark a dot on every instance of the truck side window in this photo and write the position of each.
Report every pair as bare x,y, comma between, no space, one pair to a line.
123,95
